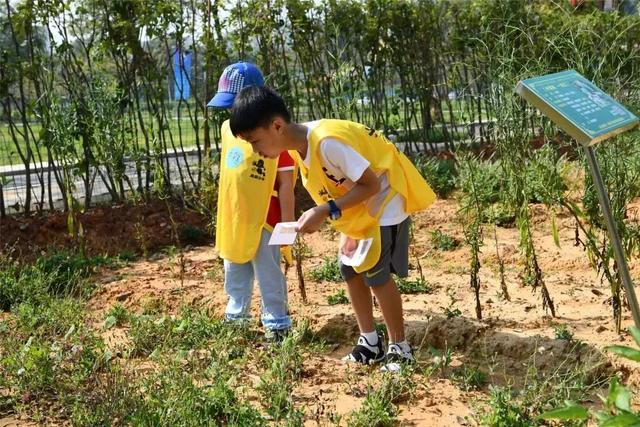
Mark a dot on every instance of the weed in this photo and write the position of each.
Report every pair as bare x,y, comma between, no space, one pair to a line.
440,361
562,332
450,310
172,397
127,256
339,297
378,407
443,241
413,286
153,306
192,329
117,315
58,274
469,378
618,410
329,271
504,410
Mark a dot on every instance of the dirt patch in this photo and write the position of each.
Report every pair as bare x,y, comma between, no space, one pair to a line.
15,422
108,230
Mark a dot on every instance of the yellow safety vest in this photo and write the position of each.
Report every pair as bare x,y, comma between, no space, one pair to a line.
244,193
357,222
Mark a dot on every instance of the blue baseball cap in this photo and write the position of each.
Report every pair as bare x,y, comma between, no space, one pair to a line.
233,79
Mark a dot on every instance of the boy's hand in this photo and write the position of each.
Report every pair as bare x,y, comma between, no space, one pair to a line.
311,220
347,245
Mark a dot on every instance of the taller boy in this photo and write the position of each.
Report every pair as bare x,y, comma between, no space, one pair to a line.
366,187
255,193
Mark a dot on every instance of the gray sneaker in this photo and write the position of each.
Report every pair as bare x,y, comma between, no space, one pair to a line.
276,336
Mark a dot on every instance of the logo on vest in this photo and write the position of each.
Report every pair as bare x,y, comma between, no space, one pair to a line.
235,156
324,194
259,170
333,178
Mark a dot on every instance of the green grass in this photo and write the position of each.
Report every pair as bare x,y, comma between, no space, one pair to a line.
54,366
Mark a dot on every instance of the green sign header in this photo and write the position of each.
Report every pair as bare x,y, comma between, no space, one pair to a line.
578,106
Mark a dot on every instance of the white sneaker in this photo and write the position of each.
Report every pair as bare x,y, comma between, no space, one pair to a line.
396,358
366,353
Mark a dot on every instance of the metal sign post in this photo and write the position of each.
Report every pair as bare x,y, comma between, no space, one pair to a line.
590,116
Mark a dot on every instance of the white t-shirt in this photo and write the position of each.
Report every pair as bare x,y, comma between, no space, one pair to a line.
344,166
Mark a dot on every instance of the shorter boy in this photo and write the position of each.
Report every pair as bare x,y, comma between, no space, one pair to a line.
254,194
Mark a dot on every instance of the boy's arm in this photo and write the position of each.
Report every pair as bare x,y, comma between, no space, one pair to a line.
365,187
285,195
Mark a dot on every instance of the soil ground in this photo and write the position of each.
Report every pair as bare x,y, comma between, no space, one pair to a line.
512,338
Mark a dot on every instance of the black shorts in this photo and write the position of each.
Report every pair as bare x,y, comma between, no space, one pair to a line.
394,256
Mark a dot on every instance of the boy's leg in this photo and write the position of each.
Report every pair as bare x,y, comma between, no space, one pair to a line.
391,306
273,285
361,302
394,258
238,284
369,348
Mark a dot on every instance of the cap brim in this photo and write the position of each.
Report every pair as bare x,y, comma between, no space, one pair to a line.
222,100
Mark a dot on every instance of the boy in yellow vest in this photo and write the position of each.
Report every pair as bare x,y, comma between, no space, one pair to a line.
366,189
254,194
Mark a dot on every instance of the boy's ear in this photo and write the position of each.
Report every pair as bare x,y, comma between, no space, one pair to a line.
278,124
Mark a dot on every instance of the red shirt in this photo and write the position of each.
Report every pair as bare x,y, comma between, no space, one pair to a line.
274,216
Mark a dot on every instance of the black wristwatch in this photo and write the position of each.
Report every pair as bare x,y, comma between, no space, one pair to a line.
334,211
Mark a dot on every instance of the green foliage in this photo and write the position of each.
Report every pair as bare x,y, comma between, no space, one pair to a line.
439,173
469,378
617,405
505,411
443,241
57,274
191,329
480,181
339,297
329,271
547,176
563,332
378,408
413,286
440,361
172,398
117,315
127,256
570,382
499,214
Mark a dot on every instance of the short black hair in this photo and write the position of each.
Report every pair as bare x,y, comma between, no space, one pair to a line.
255,107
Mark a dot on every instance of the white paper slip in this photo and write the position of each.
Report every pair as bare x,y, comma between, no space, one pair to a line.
359,255
284,233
